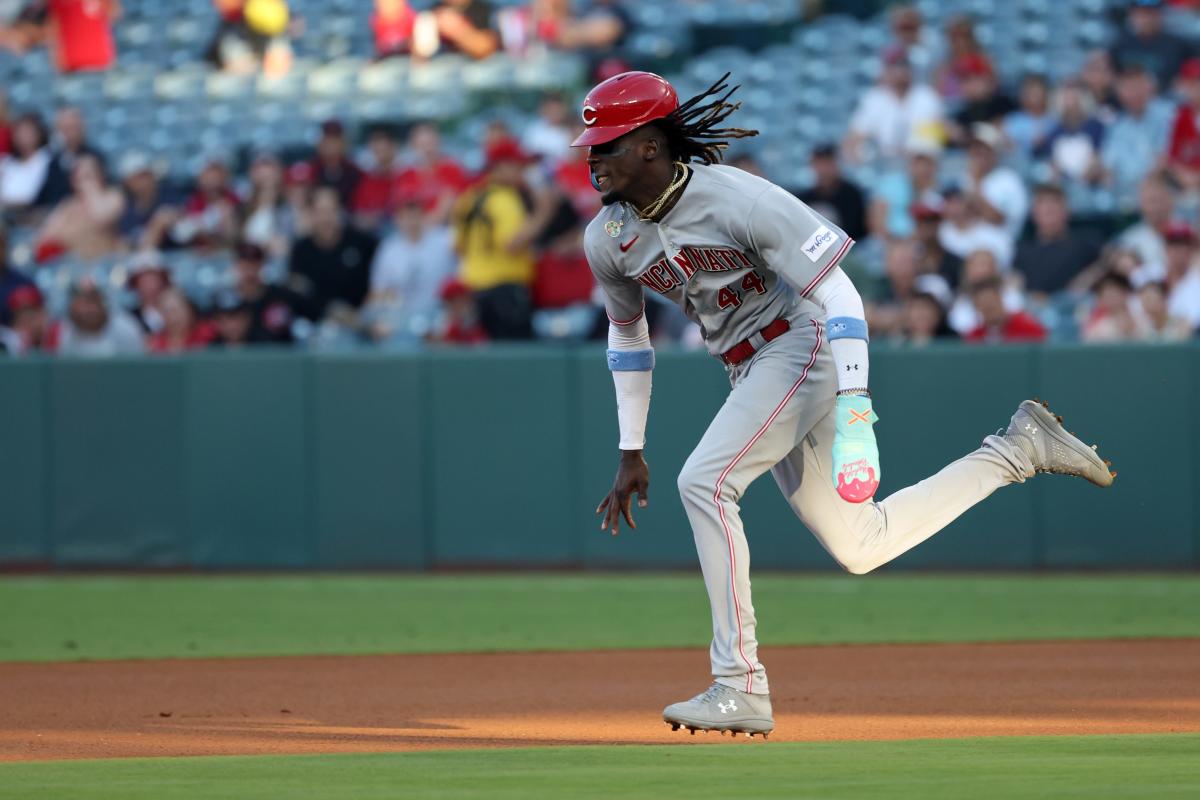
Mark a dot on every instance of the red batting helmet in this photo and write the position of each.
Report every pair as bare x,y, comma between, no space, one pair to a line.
622,103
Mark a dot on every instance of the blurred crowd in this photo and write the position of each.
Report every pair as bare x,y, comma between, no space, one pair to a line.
969,199
978,226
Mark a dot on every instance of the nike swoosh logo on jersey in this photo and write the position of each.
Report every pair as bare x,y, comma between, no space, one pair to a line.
625,247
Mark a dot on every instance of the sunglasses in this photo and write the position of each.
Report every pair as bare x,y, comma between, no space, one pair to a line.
608,150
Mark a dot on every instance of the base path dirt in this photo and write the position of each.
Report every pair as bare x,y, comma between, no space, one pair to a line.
387,703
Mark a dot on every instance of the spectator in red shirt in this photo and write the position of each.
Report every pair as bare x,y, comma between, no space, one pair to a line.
181,330
1183,155
79,33
431,174
373,197
998,324
392,23
332,165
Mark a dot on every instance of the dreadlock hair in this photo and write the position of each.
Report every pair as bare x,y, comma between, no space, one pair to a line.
691,129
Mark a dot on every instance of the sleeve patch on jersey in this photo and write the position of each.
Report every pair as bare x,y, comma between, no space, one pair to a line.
631,360
818,243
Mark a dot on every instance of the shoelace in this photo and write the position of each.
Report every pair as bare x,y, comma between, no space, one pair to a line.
711,693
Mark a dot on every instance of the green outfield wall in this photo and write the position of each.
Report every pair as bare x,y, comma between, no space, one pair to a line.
498,457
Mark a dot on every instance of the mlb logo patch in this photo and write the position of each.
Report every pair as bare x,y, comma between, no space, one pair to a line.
818,243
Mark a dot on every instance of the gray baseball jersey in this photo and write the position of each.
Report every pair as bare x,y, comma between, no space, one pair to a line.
736,252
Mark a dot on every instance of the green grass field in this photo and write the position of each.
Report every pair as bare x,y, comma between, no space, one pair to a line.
45,619
53,619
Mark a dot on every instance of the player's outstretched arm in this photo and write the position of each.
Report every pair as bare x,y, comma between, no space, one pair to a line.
631,359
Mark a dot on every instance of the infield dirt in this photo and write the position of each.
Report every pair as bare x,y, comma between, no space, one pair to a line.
334,704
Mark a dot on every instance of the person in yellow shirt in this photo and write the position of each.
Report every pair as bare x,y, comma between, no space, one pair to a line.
495,225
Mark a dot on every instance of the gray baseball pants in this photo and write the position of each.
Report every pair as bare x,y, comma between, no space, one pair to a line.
779,417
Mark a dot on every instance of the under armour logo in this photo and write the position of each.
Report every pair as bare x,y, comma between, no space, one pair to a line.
727,707
851,367
1030,429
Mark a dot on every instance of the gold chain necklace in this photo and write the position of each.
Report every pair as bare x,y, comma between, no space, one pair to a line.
681,175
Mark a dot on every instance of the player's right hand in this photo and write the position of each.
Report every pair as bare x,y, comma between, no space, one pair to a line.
633,477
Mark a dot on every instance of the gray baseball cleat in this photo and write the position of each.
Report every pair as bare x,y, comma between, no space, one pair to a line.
1039,433
720,708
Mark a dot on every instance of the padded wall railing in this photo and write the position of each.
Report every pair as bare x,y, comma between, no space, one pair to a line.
497,457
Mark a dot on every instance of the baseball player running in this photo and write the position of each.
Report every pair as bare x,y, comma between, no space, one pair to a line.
758,271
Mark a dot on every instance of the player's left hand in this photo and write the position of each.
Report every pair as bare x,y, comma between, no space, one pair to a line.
855,454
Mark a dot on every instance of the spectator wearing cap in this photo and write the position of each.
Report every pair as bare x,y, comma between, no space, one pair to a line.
148,279
889,215
1182,273
373,197
1144,42
96,328
963,229
232,319
210,215
11,278
1136,142
1112,318
332,165
267,219
1156,322
331,266
997,323
892,113
24,170
833,195
182,328
28,328
932,258
271,310
457,26
84,225
982,99
149,211
70,145
1055,255
460,324
392,24
1028,127
998,192
1072,146
1156,206
1183,152
430,173
494,231
410,267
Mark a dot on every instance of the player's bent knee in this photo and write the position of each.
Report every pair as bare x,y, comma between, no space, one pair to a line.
696,485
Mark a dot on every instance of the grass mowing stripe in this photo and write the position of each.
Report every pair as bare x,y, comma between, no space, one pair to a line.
1154,766
68,618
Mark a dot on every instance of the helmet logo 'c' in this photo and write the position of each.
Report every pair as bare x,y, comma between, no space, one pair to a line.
586,119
